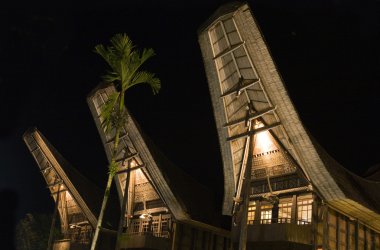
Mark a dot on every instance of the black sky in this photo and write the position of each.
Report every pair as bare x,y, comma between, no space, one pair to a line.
327,52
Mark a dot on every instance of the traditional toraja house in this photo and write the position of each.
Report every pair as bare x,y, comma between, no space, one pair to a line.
165,208
281,188
77,200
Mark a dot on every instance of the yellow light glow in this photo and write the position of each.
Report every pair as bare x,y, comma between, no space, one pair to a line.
133,163
264,142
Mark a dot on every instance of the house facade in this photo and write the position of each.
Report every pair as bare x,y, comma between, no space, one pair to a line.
282,189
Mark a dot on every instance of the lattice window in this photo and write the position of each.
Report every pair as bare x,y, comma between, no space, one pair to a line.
251,212
165,227
304,208
136,226
266,214
155,225
285,210
145,225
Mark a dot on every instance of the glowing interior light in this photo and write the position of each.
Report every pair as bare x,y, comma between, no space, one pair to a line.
264,143
133,163
145,215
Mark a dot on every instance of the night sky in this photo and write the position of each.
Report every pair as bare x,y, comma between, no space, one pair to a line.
327,53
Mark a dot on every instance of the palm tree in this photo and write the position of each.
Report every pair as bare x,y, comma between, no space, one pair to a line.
125,62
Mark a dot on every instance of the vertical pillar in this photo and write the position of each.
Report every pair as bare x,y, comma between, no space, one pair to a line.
294,209
372,240
325,227
348,233
159,229
314,221
257,213
356,235
247,189
337,231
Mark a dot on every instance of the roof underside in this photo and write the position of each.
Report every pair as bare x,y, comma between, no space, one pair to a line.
56,170
245,85
173,186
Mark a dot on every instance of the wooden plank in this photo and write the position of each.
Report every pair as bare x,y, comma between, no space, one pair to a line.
228,50
126,158
54,184
250,117
256,131
240,87
113,138
131,169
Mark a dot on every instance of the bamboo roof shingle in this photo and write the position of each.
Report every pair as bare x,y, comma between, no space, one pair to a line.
234,25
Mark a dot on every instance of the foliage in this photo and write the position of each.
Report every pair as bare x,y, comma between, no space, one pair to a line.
32,232
125,63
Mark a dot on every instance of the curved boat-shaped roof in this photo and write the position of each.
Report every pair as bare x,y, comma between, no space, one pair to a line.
186,199
245,84
86,195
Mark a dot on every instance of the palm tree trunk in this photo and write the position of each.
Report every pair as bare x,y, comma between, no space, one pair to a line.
110,178
102,210
123,208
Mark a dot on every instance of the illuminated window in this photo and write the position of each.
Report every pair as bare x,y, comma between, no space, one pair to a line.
285,211
155,226
266,214
145,226
251,212
136,226
304,208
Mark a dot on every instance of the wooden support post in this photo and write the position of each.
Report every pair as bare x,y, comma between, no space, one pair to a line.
347,233
294,209
314,222
50,241
372,240
356,235
337,231
257,213
325,227
247,184
174,236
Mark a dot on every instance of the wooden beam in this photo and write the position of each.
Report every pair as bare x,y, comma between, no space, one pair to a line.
46,169
131,169
60,191
54,184
126,158
248,133
228,50
113,138
240,87
250,117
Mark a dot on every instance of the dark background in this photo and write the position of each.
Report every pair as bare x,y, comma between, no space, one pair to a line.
327,52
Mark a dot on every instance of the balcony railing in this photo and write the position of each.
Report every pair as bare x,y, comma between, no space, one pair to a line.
154,234
280,230
279,221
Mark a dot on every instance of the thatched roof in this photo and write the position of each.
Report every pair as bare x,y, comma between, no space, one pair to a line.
86,195
253,82
185,198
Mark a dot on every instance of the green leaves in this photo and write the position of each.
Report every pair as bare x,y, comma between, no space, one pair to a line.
112,169
125,62
108,111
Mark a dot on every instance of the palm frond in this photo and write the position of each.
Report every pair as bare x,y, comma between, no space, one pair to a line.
146,77
108,111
